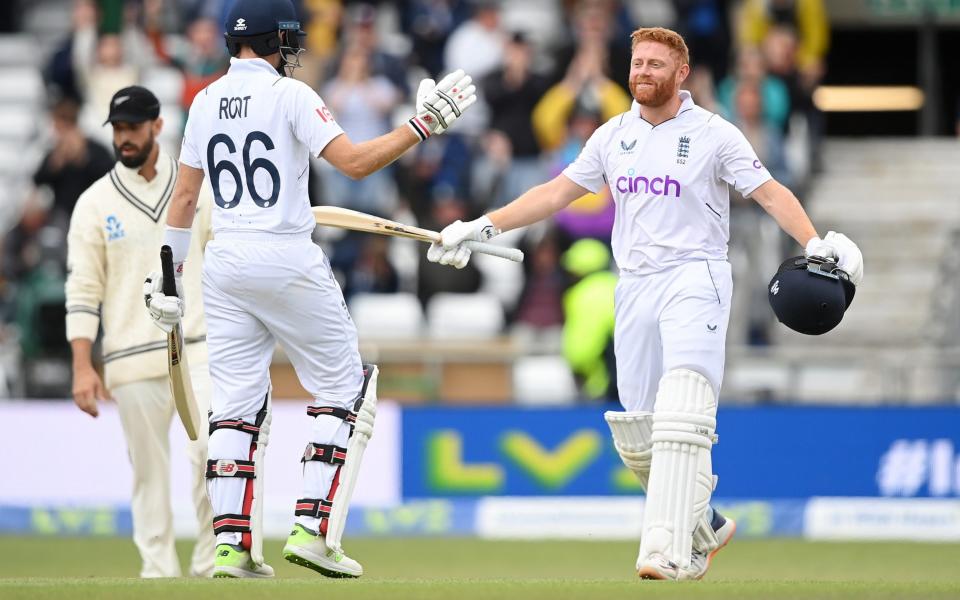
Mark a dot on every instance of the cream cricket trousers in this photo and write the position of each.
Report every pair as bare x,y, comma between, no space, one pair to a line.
670,320
146,411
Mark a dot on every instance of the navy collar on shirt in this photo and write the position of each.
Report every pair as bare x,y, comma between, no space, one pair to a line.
686,103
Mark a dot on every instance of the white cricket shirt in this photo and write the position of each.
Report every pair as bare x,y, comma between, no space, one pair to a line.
252,132
669,183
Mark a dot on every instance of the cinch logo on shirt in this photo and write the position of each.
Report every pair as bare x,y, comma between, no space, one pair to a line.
659,186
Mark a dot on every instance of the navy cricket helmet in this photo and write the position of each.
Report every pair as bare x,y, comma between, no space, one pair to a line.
268,27
810,295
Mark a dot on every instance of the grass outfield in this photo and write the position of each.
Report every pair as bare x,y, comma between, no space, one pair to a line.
464,569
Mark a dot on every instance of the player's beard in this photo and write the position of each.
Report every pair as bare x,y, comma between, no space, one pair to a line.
659,95
134,161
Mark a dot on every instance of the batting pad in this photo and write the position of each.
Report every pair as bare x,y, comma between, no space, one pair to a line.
681,477
362,432
633,438
235,478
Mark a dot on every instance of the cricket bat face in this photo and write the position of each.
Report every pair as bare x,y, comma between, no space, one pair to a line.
180,385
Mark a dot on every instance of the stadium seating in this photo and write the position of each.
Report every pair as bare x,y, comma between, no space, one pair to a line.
464,316
543,380
387,316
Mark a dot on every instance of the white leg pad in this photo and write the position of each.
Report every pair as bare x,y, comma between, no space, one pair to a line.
681,476
633,438
256,506
362,432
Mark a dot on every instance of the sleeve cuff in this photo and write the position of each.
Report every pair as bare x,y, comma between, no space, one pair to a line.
82,325
584,184
179,241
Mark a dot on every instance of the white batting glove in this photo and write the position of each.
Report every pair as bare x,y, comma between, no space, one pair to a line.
165,311
440,104
451,250
841,249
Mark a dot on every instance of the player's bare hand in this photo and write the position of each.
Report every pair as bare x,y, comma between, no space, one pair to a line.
840,248
87,390
440,104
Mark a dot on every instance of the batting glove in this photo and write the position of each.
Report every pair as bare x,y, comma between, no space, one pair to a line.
451,250
840,248
440,104
165,311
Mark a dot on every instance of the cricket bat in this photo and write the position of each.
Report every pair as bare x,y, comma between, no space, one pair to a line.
180,386
344,218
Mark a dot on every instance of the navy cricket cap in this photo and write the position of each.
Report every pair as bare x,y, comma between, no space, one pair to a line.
810,295
255,17
134,104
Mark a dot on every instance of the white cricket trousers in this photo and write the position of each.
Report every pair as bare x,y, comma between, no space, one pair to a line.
669,320
260,289
146,411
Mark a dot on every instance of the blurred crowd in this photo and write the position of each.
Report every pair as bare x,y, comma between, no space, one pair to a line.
549,73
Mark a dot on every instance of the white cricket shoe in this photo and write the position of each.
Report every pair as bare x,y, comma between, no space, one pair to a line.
308,549
660,568
724,527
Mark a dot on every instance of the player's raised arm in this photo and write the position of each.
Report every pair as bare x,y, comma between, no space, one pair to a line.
438,106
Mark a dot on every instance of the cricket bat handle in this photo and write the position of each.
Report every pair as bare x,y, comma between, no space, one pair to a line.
514,254
166,266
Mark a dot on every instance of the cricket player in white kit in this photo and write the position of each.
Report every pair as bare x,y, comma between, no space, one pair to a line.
668,164
252,133
114,231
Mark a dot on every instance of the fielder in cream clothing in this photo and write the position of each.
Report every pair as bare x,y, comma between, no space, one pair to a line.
115,232
668,164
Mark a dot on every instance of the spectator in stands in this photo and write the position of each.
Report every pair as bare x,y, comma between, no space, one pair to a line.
202,60
434,278
749,115
372,272
780,52
59,74
362,104
700,84
706,28
601,24
585,82
512,92
564,119
539,309
755,240
806,18
429,23
104,64
360,35
588,313
476,46
70,167
34,251
775,97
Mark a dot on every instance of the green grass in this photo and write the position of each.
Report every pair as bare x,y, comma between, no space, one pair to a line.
465,569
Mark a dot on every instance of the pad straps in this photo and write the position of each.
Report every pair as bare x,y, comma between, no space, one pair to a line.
231,522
